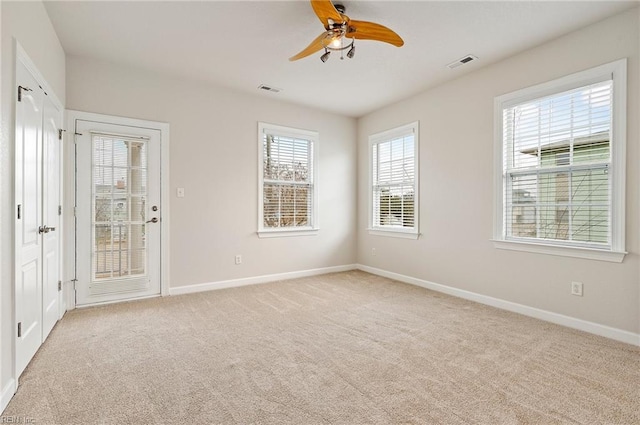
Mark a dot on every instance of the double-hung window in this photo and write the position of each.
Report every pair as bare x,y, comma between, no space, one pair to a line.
560,154
287,181
394,182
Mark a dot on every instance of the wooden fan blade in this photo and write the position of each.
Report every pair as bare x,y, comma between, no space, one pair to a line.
311,48
363,30
325,11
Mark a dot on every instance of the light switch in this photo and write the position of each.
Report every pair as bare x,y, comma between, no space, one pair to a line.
180,192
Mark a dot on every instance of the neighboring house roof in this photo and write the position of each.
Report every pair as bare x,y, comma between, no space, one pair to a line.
602,136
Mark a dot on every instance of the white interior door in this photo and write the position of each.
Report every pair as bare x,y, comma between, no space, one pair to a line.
37,221
28,296
118,212
51,148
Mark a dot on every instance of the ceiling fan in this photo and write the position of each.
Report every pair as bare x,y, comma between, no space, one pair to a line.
339,27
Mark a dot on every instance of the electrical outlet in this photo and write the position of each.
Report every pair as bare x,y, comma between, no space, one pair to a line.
238,259
576,288
180,192
373,252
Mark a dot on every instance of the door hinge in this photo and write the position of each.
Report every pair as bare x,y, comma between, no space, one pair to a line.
59,285
20,90
59,209
75,209
19,329
19,211
60,133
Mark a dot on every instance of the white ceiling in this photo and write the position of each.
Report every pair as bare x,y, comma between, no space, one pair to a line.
242,44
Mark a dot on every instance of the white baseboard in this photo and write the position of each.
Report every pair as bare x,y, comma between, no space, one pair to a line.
548,316
7,393
233,283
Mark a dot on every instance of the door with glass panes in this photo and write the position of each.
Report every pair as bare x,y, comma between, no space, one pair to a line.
118,212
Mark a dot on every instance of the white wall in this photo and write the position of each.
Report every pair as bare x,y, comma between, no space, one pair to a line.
456,187
29,24
214,156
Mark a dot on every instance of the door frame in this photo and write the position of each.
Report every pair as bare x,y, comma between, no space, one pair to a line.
69,201
21,57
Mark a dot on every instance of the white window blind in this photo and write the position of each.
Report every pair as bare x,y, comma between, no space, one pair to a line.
287,179
394,180
119,194
556,160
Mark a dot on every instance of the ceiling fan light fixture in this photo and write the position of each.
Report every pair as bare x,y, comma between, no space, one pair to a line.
352,51
339,26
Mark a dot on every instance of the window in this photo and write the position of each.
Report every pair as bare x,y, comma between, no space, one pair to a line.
119,191
560,150
394,182
288,194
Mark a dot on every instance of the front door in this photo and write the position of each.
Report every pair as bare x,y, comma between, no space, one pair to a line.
118,212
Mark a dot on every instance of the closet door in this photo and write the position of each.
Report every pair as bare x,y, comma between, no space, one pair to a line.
52,121
37,220
28,233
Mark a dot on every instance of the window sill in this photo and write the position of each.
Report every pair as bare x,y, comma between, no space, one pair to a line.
286,233
394,234
563,251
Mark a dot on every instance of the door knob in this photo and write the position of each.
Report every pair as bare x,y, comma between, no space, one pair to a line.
153,220
46,229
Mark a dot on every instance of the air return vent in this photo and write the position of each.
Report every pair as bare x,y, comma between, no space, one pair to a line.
462,61
269,88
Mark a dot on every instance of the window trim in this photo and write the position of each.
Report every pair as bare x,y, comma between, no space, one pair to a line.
313,136
617,71
384,136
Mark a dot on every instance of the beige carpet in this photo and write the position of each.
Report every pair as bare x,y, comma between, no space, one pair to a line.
346,348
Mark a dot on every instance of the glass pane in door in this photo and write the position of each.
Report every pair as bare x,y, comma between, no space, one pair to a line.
119,193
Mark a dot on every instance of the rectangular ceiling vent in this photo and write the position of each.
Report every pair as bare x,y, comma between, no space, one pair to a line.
462,61
269,88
